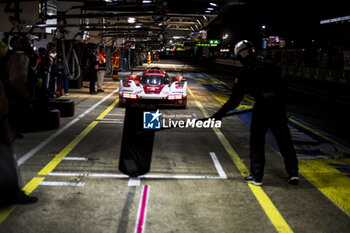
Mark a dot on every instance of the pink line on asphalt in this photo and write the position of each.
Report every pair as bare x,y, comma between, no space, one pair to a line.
142,213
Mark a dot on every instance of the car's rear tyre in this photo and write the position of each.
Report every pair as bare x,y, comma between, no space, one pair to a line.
122,102
184,104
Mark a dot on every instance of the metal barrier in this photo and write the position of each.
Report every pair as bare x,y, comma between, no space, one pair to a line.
336,76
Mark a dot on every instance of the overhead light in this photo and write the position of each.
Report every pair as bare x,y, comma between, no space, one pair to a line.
131,20
210,9
137,26
213,4
207,11
146,1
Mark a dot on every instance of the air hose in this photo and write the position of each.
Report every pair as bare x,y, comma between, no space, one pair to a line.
73,72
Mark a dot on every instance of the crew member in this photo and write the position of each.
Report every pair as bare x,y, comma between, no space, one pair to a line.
101,72
149,58
92,70
262,80
115,61
157,57
13,93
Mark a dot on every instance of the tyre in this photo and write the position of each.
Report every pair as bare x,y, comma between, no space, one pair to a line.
66,107
40,119
184,104
51,118
122,102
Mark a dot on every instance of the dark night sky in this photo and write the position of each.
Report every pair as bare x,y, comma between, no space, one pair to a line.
293,20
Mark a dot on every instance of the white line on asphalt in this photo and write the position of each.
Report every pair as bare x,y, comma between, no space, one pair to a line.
134,181
111,122
218,166
76,158
148,176
111,119
102,175
116,114
29,154
59,183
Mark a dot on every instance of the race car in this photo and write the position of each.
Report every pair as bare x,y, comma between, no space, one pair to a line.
153,86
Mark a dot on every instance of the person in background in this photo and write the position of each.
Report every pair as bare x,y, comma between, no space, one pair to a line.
92,70
51,59
157,57
101,72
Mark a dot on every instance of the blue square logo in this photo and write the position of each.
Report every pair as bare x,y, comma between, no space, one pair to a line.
151,120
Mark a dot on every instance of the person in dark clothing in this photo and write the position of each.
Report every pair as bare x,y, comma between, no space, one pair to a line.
12,88
262,80
92,71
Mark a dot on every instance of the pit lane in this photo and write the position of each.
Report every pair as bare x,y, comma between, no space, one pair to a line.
195,183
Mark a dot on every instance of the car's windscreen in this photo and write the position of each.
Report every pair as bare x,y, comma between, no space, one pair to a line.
154,71
154,80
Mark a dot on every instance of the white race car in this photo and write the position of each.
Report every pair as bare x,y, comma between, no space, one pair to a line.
153,86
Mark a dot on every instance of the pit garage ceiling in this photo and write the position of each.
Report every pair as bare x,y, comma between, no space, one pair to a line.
154,22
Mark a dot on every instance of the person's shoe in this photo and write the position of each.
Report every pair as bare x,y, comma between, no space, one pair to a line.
66,94
252,180
294,180
93,93
100,90
23,199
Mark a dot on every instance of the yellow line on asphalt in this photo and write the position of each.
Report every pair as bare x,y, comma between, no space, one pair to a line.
222,98
271,211
31,185
331,182
59,157
325,177
34,183
28,189
5,212
321,135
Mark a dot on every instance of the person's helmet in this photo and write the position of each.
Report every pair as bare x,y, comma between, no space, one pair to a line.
244,50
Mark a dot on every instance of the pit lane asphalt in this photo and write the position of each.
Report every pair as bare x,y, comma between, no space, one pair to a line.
183,195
